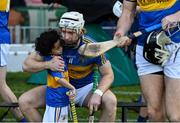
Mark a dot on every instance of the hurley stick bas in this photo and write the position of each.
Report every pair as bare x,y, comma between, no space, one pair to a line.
95,84
97,49
91,117
73,109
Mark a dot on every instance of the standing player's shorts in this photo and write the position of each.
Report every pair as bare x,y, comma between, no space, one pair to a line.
56,114
171,67
4,50
82,93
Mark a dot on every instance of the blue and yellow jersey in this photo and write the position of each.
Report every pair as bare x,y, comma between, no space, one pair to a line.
81,69
56,93
4,15
153,11
154,5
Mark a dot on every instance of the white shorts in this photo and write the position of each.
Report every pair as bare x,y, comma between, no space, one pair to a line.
4,50
56,114
82,93
170,69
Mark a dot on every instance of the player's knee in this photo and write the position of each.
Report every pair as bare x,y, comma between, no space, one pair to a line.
174,117
151,114
3,84
155,114
111,103
24,102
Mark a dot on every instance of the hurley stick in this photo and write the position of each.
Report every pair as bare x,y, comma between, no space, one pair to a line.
73,110
97,49
95,83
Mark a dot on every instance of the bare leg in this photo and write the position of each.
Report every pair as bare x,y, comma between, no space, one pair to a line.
109,107
30,101
7,93
143,110
153,91
173,99
143,115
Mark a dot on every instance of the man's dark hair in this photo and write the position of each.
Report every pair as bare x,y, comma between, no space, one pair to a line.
46,41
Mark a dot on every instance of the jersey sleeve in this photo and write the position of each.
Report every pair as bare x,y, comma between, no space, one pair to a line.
56,75
4,5
101,60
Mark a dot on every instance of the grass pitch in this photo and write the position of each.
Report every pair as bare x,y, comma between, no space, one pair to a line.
18,83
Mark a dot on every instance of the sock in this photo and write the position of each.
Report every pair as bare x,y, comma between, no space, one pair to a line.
23,120
140,99
142,119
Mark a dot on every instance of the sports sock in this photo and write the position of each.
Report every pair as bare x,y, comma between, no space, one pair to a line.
142,119
23,120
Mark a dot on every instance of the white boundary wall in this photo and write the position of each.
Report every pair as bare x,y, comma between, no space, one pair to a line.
17,54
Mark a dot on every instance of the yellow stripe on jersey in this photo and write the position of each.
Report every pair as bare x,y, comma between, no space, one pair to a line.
4,5
52,81
87,40
103,59
79,72
153,5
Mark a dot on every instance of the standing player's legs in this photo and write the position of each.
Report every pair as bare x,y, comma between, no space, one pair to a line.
5,91
152,85
172,99
172,84
30,101
143,116
153,91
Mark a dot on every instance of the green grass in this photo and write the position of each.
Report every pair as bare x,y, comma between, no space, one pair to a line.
18,83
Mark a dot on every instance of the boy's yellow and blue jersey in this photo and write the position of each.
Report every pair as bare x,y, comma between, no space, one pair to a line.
4,15
153,11
55,92
81,70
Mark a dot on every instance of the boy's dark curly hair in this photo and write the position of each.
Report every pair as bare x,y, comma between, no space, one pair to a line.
46,41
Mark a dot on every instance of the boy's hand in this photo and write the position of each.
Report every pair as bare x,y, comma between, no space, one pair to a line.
72,94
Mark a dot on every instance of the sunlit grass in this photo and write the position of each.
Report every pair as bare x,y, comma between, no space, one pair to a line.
18,83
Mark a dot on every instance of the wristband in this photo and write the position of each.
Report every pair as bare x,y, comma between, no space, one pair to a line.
98,92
